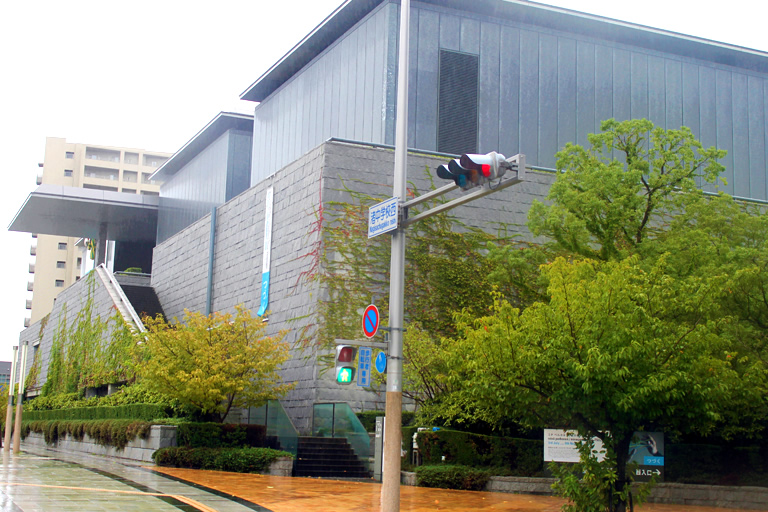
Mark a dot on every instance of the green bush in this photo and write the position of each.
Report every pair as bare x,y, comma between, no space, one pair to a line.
523,457
238,460
368,419
452,477
220,435
117,433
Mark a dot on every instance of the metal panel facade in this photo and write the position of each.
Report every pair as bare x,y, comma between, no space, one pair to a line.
539,89
344,92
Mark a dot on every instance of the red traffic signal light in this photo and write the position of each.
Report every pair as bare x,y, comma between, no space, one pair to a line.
471,170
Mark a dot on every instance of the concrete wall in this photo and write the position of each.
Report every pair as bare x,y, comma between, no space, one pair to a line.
160,436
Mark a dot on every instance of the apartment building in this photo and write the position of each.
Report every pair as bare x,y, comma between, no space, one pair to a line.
59,261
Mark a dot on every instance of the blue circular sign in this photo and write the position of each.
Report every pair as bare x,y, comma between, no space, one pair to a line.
380,362
371,321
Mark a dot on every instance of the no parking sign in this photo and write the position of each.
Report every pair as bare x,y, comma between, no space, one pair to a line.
370,321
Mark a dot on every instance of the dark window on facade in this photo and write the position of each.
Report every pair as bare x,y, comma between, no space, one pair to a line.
457,103
62,246
70,154
61,264
59,283
68,173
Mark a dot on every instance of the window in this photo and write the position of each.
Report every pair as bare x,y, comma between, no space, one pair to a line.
62,246
68,173
457,123
129,190
61,264
79,262
70,154
59,283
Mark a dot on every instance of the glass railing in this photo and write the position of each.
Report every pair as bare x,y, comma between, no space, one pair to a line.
279,425
338,420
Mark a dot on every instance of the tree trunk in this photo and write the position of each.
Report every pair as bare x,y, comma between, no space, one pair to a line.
622,457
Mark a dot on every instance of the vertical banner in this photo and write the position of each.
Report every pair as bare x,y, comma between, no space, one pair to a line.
267,251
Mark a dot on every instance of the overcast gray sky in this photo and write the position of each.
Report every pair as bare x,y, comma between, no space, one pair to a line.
150,74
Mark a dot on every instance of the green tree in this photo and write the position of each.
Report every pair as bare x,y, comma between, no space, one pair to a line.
650,307
213,362
617,348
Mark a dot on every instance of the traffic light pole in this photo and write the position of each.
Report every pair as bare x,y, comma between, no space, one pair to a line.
390,488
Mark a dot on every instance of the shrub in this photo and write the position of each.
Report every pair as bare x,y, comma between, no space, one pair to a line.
117,433
220,435
522,457
145,412
368,419
452,477
239,460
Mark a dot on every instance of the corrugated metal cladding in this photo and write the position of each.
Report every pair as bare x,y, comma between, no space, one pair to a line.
214,176
538,89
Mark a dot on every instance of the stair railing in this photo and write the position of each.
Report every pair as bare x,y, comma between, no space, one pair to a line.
279,425
338,420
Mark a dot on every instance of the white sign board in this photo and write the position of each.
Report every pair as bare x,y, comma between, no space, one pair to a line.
382,217
560,446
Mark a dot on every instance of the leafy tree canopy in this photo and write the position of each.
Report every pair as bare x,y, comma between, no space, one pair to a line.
213,362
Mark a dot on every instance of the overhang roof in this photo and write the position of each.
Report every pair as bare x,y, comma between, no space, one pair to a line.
521,11
80,212
213,130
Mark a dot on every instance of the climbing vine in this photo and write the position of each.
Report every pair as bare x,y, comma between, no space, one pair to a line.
90,351
446,270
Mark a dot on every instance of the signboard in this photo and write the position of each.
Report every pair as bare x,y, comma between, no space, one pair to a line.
364,366
560,446
647,450
380,362
371,321
266,252
382,217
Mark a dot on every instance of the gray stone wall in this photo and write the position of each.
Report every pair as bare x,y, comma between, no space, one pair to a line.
325,175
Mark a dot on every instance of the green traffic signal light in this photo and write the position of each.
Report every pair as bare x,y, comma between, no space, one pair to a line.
344,375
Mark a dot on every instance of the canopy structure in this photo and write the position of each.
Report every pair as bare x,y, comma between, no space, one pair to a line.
88,213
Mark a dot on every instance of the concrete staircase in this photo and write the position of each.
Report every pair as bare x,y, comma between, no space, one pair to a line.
329,457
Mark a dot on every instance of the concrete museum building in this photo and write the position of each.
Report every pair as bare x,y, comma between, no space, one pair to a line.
528,78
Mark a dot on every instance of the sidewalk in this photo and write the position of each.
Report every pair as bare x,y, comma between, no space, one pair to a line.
53,481
284,494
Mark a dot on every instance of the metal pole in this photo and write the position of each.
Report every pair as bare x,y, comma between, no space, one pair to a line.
390,489
9,409
19,398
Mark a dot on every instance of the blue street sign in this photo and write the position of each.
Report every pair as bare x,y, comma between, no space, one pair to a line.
381,362
364,366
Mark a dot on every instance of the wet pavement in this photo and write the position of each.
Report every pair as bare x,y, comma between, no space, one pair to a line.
53,481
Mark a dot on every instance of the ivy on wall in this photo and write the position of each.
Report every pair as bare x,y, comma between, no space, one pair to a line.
446,269
89,351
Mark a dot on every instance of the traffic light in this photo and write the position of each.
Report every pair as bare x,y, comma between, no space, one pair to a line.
345,364
471,170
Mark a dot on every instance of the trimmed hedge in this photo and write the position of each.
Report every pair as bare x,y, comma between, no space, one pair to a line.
220,435
115,433
452,477
144,412
522,457
368,419
238,460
